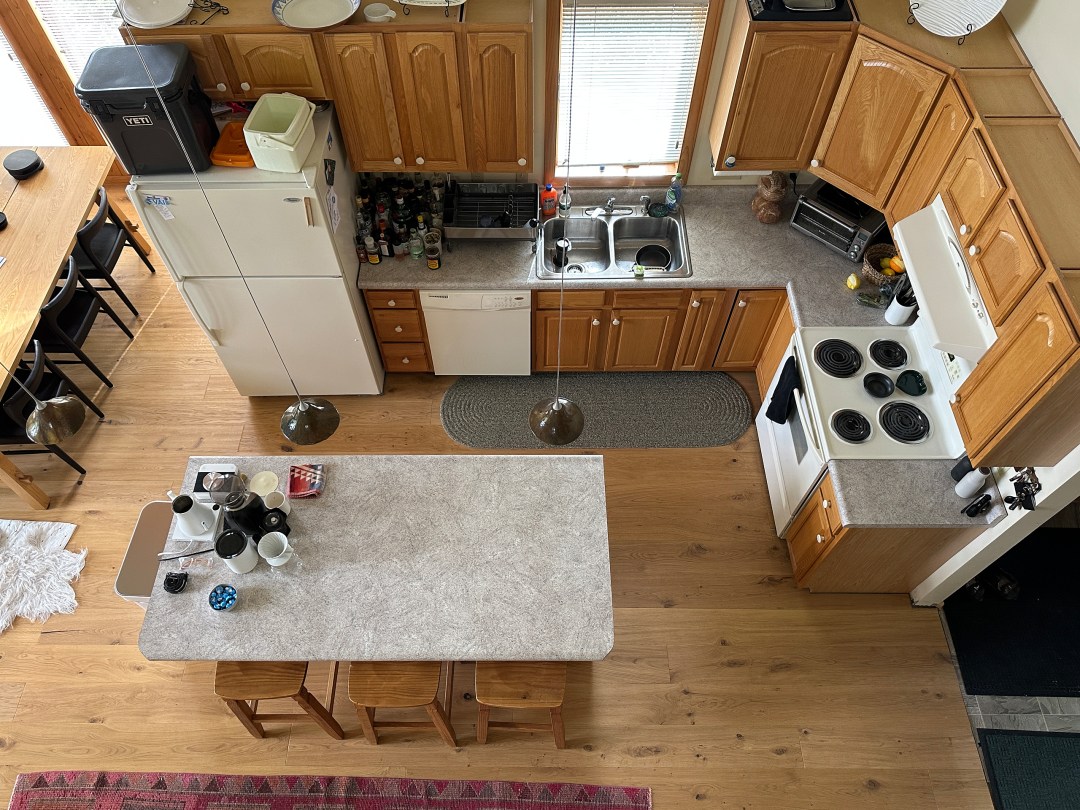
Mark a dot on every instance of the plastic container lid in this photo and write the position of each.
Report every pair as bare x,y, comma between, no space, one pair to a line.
232,148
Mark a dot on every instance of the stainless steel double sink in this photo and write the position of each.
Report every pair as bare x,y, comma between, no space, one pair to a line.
606,245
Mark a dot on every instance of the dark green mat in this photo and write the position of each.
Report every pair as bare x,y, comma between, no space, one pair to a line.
1032,770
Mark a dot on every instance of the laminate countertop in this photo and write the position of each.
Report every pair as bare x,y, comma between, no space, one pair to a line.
406,558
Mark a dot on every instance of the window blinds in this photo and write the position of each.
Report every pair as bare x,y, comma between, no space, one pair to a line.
633,64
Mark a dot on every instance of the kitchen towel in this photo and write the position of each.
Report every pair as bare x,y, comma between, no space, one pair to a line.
784,394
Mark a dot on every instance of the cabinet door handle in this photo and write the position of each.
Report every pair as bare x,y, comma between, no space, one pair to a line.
405,360
245,86
522,162
729,161
419,161
615,321
695,304
826,504
391,303
308,212
742,302
397,329
815,163
964,230
973,250
821,538
221,87
596,322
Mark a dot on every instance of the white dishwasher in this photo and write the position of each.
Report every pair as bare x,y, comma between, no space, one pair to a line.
479,331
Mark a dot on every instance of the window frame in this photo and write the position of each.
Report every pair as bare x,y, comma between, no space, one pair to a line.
553,45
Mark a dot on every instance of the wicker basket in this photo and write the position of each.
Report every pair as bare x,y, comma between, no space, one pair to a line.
871,265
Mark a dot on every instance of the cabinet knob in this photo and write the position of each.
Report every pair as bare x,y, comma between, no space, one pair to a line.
826,503
397,328
405,360
742,302
245,86
815,163
522,162
398,161
695,304
221,87
419,161
729,161
955,399
973,250
615,321
821,538
391,303
964,230
596,322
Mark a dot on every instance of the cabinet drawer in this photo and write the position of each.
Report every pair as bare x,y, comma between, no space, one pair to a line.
405,357
401,326
649,299
580,299
391,299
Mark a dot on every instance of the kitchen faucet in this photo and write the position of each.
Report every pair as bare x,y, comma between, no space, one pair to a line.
607,209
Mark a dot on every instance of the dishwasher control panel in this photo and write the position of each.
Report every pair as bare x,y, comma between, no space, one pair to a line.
507,301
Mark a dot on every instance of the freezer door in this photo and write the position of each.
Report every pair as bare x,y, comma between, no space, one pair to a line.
227,315
277,232
183,231
326,345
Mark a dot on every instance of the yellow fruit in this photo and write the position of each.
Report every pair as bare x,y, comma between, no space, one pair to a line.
888,271
853,282
885,264
897,264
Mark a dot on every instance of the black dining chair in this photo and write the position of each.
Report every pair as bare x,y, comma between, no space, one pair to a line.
45,380
67,318
98,246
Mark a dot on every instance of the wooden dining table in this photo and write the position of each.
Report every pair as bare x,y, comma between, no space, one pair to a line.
44,212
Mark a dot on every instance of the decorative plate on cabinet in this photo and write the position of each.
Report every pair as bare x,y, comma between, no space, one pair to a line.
154,13
950,18
313,14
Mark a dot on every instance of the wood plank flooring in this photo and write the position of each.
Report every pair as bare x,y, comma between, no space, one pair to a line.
727,688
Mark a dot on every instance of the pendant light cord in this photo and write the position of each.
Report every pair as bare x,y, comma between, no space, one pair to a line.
569,140
18,382
202,189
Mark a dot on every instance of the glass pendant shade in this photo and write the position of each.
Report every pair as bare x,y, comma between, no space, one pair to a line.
55,420
556,420
310,421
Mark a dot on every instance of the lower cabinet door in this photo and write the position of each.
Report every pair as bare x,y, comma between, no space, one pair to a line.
748,329
641,339
581,332
809,537
705,316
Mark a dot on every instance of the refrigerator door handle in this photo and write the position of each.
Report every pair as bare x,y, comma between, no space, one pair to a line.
198,319
308,212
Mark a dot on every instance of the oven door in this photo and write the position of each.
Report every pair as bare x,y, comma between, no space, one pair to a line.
791,454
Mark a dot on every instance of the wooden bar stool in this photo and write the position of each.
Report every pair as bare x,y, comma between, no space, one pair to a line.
521,685
401,684
242,684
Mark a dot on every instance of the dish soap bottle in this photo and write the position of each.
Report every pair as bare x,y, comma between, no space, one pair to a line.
564,202
674,194
548,201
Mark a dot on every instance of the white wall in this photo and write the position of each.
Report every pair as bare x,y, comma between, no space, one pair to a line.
1047,31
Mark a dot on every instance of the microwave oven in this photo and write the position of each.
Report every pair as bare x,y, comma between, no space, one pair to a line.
838,220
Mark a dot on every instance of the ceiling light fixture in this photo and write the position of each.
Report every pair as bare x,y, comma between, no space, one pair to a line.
557,420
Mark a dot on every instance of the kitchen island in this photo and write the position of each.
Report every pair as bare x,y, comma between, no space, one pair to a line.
411,558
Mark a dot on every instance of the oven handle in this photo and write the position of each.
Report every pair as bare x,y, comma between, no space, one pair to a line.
808,420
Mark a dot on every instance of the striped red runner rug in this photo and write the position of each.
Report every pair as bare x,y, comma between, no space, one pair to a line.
104,790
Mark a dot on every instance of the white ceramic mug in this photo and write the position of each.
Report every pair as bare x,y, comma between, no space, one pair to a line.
275,549
277,500
378,12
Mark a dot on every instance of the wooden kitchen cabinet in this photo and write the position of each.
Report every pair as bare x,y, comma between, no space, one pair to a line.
949,121
703,325
582,339
1004,261
971,186
880,108
641,339
1004,409
809,537
210,70
776,346
399,329
775,91
365,101
431,100
500,79
275,63
749,327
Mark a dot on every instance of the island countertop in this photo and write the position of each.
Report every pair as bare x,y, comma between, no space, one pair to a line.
411,558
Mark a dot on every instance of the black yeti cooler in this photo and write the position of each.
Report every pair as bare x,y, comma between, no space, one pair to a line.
115,89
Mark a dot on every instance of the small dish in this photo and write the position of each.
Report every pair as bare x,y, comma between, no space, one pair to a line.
911,382
263,483
223,598
878,385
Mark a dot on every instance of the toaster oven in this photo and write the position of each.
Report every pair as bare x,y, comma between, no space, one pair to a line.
838,220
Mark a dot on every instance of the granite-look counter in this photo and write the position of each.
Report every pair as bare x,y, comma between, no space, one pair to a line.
408,558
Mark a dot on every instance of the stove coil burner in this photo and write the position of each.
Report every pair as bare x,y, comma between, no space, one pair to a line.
851,426
904,422
888,354
838,358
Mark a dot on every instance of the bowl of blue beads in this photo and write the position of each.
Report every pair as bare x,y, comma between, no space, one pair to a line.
223,597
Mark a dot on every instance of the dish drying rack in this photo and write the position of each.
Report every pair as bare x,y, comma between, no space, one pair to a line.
492,211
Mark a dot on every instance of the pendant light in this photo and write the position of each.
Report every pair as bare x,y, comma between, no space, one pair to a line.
557,420
308,420
52,421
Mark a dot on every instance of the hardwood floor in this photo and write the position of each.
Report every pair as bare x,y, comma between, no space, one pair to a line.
727,688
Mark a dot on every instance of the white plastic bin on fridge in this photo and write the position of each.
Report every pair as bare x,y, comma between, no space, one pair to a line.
279,132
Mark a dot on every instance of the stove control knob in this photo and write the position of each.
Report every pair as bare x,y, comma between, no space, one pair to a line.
821,538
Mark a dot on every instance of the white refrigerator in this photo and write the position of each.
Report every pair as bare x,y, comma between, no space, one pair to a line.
291,237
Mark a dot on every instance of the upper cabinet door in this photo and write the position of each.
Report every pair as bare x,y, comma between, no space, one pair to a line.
971,186
209,66
880,108
275,63
782,99
428,64
1004,261
946,127
500,76
366,103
